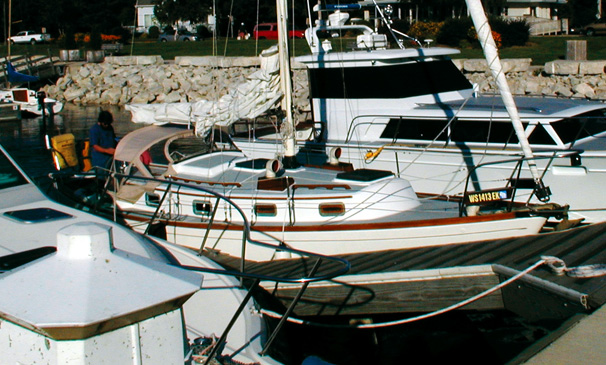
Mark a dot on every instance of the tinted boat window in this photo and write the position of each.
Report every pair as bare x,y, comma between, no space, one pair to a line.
581,126
9,175
540,136
482,132
460,131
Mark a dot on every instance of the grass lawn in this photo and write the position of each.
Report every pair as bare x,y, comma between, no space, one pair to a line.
539,49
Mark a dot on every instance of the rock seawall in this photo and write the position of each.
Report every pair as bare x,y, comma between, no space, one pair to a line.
148,79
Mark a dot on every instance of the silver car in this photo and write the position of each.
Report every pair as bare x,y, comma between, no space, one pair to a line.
597,27
182,36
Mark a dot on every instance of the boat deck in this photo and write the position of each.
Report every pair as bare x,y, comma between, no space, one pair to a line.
426,279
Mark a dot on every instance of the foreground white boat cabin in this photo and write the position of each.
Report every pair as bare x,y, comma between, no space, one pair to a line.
107,293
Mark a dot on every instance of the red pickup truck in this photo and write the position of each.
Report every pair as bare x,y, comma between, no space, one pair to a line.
270,31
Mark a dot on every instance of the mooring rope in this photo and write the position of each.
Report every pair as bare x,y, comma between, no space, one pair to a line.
554,263
558,266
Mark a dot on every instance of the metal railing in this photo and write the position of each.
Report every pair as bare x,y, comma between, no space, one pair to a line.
337,266
515,176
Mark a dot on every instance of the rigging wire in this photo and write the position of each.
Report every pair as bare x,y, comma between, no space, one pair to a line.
230,24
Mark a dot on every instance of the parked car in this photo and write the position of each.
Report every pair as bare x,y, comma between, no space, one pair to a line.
182,36
29,36
597,27
270,31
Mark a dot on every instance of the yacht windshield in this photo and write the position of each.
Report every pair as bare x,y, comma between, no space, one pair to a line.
581,126
9,175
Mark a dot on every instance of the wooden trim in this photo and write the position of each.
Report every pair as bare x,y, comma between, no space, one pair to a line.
342,166
259,198
279,184
323,186
340,227
175,178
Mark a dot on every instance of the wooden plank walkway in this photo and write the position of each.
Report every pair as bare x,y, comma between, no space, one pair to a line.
426,279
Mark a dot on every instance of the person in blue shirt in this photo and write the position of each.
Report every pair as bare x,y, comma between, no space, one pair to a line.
102,140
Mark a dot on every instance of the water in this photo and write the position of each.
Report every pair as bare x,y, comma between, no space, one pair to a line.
489,337
25,140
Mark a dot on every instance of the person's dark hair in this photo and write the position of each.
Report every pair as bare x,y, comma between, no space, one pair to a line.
105,117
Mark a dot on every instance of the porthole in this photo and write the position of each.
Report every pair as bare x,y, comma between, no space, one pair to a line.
152,199
266,210
332,209
203,208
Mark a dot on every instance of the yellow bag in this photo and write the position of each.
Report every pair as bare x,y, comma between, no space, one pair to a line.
64,151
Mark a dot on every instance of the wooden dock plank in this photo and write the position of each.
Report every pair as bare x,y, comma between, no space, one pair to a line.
577,246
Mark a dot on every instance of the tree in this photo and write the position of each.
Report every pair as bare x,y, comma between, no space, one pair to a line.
80,15
168,12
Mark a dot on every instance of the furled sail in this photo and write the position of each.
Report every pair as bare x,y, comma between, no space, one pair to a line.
18,78
258,94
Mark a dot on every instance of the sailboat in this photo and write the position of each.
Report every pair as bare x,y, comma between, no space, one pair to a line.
173,176
411,111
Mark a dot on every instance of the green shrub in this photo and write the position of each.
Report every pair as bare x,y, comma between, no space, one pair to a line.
154,32
425,30
68,40
203,32
95,40
513,32
454,32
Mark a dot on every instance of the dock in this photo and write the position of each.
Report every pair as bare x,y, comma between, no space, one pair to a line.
429,279
432,278
43,66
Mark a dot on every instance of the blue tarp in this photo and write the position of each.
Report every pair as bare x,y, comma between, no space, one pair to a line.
16,77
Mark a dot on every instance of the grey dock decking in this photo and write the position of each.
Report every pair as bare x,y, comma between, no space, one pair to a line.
427,279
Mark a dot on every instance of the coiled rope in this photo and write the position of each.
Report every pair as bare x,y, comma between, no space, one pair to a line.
558,266
554,263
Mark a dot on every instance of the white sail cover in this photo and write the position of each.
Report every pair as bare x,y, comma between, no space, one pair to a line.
258,94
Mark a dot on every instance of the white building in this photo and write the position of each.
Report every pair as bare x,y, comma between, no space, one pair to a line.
146,18
544,9
145,15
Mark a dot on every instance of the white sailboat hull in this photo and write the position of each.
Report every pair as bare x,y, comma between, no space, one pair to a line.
348,239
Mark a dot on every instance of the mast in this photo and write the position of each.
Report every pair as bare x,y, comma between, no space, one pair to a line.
476,10
10,22
288,128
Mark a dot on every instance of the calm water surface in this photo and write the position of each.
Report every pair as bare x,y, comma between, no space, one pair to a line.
25,140
482,338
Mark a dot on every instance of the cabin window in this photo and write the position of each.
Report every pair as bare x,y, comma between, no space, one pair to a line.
540,136
480,131
202,207
9,175
426,130
581,126
152,199
266,210
331,209
256,164
37,215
